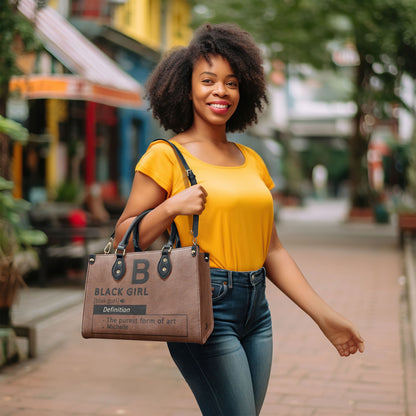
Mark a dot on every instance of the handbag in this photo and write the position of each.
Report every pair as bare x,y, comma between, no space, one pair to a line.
158,295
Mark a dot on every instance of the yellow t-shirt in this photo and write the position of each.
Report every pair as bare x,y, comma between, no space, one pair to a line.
236,224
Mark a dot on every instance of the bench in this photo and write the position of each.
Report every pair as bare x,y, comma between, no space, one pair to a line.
69,242
8,335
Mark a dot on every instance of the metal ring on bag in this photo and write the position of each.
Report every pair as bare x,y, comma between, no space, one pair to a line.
117,251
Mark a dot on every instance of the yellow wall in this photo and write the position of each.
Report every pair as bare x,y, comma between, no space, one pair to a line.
53,3
179,32
141,20
56,111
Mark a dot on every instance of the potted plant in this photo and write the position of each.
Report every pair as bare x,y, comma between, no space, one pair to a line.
17,257
406,209
361,207
406,219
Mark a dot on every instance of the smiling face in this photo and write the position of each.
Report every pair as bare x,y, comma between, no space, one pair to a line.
215,91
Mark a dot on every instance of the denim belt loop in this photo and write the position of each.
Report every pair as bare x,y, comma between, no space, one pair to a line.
253,279
258,273
230,279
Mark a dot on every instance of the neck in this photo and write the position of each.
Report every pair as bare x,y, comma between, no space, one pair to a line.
211,133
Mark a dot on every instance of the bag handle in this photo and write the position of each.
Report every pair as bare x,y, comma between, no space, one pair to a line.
164,265
174,231
173,240
192,180
174,235
134,225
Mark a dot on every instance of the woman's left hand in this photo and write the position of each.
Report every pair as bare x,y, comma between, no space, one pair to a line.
286,275
343,335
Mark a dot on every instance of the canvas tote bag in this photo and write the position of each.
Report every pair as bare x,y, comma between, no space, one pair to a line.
161,295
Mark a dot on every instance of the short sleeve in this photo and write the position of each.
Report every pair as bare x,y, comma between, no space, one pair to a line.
157,163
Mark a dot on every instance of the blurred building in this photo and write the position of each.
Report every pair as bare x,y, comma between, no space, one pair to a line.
81,96
321,115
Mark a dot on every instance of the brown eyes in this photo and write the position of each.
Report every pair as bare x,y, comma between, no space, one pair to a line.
231,84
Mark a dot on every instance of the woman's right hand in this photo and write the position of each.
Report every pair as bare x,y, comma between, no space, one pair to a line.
145,194
190,201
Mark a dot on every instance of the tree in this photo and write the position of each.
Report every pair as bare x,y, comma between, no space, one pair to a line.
16,255
15,33
308,31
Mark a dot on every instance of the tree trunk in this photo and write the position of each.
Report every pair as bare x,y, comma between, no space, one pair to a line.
4,140
5,316
359,185
4,156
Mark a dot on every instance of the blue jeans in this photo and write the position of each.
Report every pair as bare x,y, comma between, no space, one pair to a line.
229,374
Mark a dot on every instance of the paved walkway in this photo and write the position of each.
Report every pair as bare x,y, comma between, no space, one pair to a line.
357,268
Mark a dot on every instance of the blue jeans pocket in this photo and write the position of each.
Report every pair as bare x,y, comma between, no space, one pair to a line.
219,290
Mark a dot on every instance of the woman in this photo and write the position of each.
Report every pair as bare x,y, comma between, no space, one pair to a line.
214,86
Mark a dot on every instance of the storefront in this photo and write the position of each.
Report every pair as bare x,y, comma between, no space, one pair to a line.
73,93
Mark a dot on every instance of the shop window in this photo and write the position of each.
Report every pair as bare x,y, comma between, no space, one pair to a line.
90,8
135,128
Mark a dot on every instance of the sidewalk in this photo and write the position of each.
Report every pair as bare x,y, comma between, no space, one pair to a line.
357,268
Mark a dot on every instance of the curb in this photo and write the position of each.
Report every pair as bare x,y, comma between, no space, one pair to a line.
410,271
408,321
36,307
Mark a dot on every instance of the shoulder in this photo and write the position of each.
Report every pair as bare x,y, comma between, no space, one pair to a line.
159,163
159,149
159,155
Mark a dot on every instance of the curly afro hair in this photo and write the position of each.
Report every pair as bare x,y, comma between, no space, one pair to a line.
169,86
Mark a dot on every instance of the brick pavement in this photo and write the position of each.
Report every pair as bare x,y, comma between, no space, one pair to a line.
357,273
356,268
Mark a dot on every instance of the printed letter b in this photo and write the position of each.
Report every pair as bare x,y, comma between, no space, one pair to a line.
140,267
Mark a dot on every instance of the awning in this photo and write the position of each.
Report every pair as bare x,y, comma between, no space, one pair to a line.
94,76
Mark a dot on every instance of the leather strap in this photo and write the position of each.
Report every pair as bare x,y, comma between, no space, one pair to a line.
174,235
132,228
192,179
173,241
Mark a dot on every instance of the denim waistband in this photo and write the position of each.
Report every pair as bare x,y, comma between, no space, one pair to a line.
252,278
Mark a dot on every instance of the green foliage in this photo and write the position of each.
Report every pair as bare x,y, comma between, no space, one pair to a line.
13,26
14,236
411,168
14,130
7,56
68,192
16,240
335,160
291,169
281,25
308,31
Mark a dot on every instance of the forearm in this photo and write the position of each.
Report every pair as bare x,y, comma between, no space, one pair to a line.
286,275
151,227
146,194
